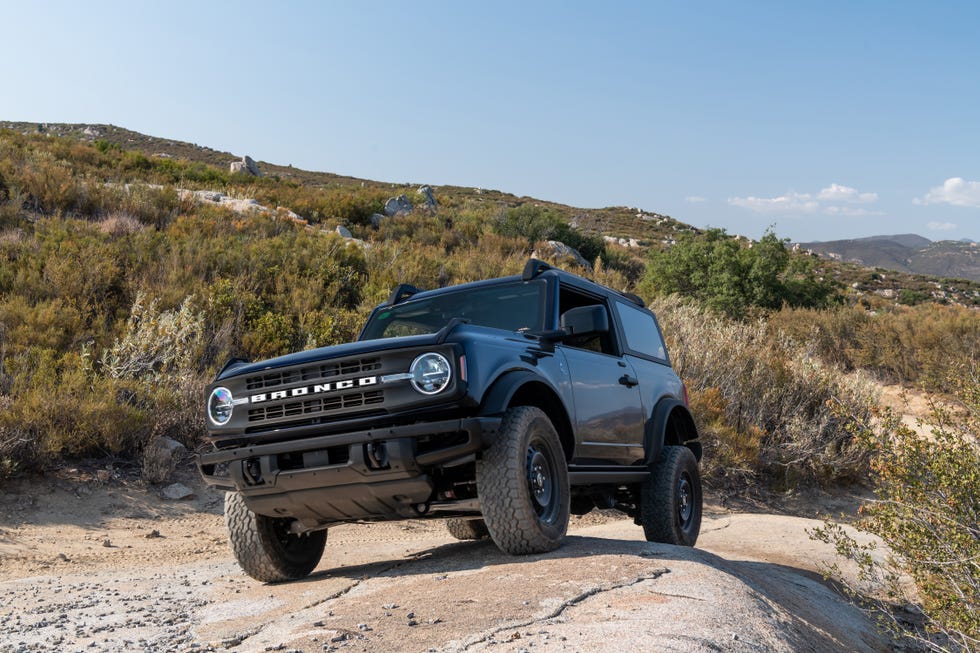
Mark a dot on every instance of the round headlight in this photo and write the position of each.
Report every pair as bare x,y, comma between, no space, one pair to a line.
220,405
431,373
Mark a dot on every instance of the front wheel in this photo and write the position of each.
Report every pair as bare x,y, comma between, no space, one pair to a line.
467,529
522,481
265,547
671,502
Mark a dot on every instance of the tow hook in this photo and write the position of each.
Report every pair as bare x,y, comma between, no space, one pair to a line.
376,454
252,470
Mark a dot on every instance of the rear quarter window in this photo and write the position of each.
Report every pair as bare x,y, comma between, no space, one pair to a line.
641,332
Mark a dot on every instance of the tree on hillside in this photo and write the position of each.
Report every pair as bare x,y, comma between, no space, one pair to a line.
716,269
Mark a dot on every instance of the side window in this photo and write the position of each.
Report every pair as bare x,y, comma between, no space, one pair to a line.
641,332
603,343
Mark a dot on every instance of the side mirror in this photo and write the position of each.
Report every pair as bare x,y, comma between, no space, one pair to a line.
584,320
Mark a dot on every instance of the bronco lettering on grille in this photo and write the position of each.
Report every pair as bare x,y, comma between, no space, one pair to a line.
315,389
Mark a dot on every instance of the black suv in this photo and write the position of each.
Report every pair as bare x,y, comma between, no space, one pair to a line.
504,405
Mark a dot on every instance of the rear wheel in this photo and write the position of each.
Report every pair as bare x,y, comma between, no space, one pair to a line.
522,481
265,547
671,502
467,529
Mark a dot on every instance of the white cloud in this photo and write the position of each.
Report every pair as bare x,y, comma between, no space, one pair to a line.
956,191
832,200
788,203
695,199
850,211
841,193
941,226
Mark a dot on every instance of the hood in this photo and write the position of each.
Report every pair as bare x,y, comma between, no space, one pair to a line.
359,347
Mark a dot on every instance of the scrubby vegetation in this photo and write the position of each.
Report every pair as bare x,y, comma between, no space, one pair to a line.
926,584
769,408
911,345
120,295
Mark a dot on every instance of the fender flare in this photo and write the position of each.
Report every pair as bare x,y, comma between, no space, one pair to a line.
503,389
508,384
655,431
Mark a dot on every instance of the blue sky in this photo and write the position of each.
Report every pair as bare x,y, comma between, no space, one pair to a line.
825,119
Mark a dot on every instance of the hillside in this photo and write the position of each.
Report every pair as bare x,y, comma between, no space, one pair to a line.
612,221
906,253
941,272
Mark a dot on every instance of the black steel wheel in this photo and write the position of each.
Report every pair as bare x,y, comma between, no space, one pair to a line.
522,482
671,501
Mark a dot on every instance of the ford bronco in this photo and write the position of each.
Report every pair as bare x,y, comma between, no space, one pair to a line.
502,406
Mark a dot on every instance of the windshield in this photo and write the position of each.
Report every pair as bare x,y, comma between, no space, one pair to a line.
511,306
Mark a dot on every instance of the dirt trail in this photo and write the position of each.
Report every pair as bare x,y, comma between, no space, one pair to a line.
87,565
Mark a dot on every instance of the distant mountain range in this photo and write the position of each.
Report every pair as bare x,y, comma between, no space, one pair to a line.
955,259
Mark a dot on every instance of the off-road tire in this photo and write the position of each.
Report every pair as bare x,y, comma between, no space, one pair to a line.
467,529
265,548
522,482
671,502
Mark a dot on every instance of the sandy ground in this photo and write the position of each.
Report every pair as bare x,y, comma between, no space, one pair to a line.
915,407
94,561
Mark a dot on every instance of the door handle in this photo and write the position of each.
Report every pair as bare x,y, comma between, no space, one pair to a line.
629,381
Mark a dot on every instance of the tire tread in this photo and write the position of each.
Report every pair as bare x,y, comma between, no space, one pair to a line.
258,551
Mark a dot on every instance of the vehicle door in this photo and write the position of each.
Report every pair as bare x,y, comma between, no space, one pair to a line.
609,417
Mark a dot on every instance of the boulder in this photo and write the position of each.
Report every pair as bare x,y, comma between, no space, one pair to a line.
398,206
622,242
377,219
160,458
559,250
344,232
247,166
177,492
430,199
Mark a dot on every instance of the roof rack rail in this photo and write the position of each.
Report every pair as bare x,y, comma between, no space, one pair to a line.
401,292
533,268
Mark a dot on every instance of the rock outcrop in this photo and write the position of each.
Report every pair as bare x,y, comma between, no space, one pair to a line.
398,206
622,242
247,166
429,197
559,250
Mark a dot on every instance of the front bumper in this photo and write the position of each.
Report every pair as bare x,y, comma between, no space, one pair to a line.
375,473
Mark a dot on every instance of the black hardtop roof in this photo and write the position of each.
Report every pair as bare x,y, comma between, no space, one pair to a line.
533,270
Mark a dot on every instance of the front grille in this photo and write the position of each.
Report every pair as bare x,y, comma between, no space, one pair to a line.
316,406
309,421
311,373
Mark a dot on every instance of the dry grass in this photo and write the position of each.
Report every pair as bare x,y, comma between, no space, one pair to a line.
767,406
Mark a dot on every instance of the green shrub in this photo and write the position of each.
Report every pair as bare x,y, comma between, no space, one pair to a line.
909,297
717,270
59,408
926,512
156,344
536,223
